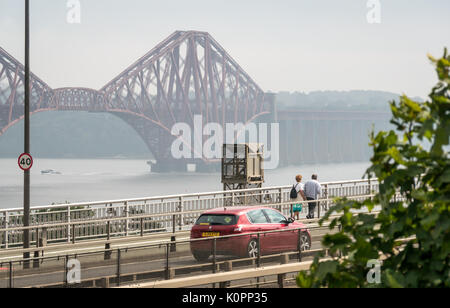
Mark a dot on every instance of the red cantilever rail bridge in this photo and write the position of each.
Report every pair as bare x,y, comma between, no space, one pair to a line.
185,75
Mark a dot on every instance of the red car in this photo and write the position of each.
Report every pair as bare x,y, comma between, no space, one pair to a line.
241,220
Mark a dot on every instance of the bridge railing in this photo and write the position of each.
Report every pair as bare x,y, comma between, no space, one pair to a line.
128,217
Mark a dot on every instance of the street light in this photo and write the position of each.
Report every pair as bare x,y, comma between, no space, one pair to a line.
26,181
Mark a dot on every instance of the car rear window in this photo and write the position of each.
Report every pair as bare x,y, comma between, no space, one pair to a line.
216,219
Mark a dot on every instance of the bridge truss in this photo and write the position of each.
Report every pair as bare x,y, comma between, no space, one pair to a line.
187,74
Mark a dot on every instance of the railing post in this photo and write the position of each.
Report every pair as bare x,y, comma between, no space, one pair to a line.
110,211
66,271
108,251
284,259
6,226
214,270
214,255
127,215
228,268
73,235
118,267
68,226
167,262
299,245
318,204
36,252
258,257
181,209
108,231
43,239
173,245
174,223
327,204
11,269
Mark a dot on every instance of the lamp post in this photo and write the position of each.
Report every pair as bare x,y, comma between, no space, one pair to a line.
26,182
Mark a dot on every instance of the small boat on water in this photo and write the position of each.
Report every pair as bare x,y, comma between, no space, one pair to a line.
49,171
150,163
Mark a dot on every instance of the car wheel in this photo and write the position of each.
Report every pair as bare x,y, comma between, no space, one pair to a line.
305,242
252,249
201,256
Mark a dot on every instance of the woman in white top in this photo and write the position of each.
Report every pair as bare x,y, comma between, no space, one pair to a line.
298,205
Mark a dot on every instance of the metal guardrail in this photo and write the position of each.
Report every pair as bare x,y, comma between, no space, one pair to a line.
166,269
91,246
105,219
117,258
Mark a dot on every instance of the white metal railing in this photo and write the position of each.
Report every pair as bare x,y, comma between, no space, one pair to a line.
100,219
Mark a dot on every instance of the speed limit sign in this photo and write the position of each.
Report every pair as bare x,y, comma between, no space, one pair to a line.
25,161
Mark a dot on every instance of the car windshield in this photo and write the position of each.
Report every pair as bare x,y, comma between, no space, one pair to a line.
216,219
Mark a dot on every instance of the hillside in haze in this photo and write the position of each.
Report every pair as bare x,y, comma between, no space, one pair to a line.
75,134
337,100
66,134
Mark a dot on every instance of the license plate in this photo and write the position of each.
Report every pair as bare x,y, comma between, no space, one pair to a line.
210,234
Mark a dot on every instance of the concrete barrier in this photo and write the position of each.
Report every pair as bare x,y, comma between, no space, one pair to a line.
226,276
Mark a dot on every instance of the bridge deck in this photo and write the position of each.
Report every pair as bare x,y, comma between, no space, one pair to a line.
150,216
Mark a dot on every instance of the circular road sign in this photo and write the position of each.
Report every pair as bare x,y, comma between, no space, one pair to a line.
25,161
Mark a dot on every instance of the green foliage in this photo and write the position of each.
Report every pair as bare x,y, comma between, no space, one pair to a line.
414,197
56,213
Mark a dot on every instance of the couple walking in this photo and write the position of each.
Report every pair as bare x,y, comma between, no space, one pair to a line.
308,191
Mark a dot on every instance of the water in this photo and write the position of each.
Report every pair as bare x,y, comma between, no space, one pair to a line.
108,179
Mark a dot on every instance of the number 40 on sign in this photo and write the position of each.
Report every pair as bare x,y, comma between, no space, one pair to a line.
25,161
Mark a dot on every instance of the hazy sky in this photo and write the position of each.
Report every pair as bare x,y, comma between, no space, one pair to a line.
285,45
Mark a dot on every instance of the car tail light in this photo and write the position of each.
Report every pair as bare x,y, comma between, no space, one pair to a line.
195,233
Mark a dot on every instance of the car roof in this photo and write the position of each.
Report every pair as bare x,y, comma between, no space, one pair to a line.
234,210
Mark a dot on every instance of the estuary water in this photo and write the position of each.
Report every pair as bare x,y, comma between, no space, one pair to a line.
81,180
